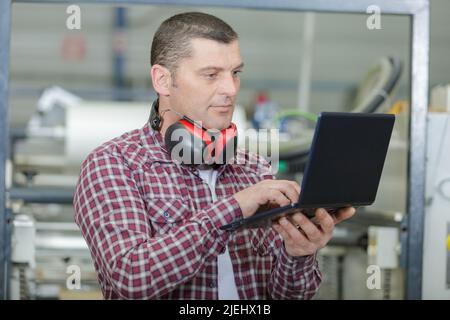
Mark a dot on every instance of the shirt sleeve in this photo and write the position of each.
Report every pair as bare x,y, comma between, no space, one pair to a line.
294,277
112,216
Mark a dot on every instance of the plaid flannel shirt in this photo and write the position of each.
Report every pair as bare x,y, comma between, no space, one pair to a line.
153,230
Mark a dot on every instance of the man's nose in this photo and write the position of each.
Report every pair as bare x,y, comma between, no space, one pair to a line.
229,86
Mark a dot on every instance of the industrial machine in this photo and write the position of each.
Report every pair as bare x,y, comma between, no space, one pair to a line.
436,265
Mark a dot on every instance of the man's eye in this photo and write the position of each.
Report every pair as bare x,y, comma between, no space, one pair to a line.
236,72
211,75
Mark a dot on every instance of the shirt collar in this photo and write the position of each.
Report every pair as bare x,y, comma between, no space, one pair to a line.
153,141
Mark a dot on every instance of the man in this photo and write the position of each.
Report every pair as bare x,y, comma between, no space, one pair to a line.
153,224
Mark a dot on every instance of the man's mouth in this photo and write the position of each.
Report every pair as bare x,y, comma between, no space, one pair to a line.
223,108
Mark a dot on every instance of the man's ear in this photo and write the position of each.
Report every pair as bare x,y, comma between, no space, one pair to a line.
161,79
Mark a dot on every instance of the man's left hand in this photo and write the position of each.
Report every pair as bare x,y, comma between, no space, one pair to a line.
303,237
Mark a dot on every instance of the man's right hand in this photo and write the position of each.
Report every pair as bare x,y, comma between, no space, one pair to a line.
267,192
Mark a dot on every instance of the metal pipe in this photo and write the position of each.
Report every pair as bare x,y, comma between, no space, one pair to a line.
417,151
304,90
360,6
119,49
367,216
5,229
42,195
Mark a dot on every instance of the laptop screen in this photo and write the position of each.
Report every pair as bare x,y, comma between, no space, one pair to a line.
346,159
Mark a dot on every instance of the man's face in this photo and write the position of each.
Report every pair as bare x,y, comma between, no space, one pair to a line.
206,84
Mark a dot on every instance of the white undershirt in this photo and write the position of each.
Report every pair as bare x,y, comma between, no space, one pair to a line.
226,284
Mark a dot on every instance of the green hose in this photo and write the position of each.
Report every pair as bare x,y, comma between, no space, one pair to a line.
295,113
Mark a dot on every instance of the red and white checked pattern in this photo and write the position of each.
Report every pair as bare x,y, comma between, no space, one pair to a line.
153,230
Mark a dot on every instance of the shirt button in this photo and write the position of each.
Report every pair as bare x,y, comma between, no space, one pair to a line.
212,285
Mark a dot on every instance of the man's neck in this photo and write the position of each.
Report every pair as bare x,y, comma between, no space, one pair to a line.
168,117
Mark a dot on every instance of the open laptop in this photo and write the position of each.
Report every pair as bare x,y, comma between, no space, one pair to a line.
343,169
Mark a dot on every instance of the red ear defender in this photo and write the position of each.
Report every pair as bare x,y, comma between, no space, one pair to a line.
190,143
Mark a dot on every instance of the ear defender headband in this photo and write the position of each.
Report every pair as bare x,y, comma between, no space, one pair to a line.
190,143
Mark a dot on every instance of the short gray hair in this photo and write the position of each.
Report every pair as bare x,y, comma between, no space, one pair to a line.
171,42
